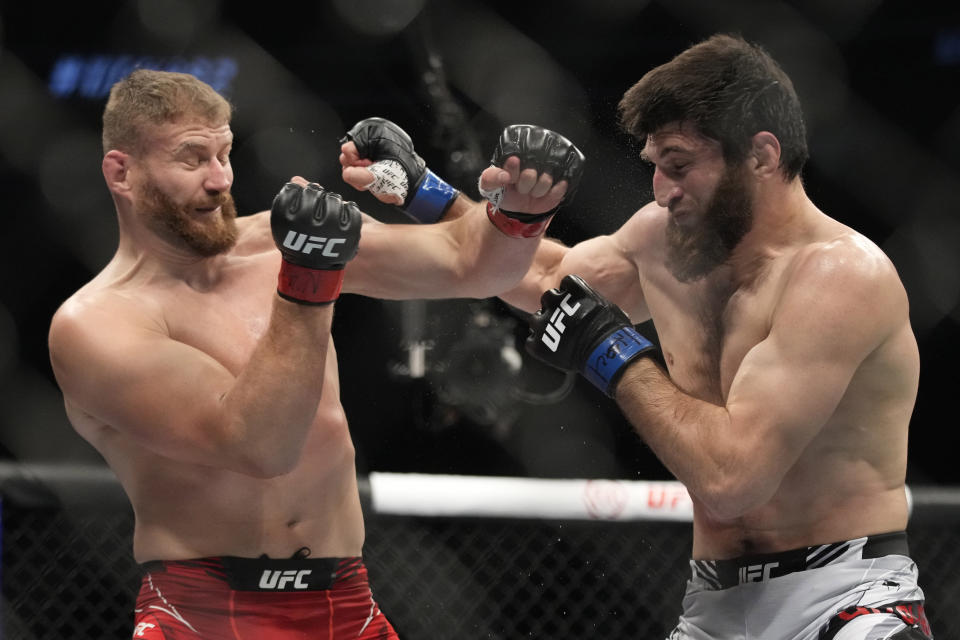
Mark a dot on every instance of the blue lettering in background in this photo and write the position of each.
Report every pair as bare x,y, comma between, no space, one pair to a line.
946,50
91,77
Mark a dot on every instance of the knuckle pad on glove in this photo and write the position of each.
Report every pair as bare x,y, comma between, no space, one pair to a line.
549,298
329,203
542,150
557,155
290,201
573,169
307,204
349,215
362,133
508,145
379,139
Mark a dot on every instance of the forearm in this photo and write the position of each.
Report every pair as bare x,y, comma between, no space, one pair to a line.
466,257
541,275
693,438
274,400
488,261
460,206
270,408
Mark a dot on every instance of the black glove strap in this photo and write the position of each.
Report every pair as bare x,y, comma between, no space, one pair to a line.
516,225
529,218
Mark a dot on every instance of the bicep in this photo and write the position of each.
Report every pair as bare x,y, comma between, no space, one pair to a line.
397,261
782,396
466,257
790,384
607,266
600,261
135,379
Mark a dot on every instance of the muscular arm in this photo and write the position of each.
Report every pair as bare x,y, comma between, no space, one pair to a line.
472,251
463,257
838,307
214,398
120,367
606,263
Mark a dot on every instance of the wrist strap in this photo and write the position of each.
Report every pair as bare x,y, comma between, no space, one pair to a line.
304,285
608,360
512,224
431,200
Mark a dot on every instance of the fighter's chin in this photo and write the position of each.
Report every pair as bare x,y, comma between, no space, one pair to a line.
682,217
212,246
209,212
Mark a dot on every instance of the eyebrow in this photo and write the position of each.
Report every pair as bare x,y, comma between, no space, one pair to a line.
196,147
189,146
663,152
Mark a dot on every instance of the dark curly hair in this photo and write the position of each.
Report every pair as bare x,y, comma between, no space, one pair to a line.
728,89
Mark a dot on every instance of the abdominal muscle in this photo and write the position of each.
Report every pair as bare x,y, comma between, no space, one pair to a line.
185,511
806,511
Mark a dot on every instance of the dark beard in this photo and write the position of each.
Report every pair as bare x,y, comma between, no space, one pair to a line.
206,238
694,252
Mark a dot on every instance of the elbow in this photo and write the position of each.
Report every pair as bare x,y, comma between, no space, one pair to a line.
264,462
496,288
249,449
734,495
485,274
266,467
479,284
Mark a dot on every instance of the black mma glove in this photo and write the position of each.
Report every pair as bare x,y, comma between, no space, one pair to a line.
398,170
576,329
545,151
317,233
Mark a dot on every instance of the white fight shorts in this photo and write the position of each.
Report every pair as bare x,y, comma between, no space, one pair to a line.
862,589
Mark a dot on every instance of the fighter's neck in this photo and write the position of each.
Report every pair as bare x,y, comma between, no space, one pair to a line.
782,220
152,256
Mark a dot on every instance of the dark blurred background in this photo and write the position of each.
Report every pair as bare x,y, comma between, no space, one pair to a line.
444,386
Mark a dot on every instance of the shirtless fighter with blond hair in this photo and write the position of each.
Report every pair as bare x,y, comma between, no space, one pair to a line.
199,361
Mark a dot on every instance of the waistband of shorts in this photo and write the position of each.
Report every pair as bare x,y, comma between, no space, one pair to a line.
266,574
723,574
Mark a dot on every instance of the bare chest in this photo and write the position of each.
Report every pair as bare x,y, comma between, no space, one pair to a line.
226,320
706,330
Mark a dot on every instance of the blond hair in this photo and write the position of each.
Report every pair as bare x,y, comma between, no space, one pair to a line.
148,98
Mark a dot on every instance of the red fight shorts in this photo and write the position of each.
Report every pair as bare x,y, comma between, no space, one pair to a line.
227,598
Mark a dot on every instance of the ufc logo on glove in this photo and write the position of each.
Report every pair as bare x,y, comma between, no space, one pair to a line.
299,242
554,329
598,339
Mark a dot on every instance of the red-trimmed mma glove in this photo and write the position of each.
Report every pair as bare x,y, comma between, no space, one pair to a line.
576,329
317,233
545,151
398,170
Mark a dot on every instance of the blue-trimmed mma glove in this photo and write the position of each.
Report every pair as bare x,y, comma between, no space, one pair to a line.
576,329
317,233
398,170
545,151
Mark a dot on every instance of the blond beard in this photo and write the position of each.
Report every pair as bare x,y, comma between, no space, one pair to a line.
179,224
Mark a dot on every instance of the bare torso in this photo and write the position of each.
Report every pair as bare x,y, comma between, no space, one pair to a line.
185,510
849,480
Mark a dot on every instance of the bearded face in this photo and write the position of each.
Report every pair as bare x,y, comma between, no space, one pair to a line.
206,233
695,251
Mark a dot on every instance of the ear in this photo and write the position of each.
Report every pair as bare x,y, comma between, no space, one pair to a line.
765,154
116,168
